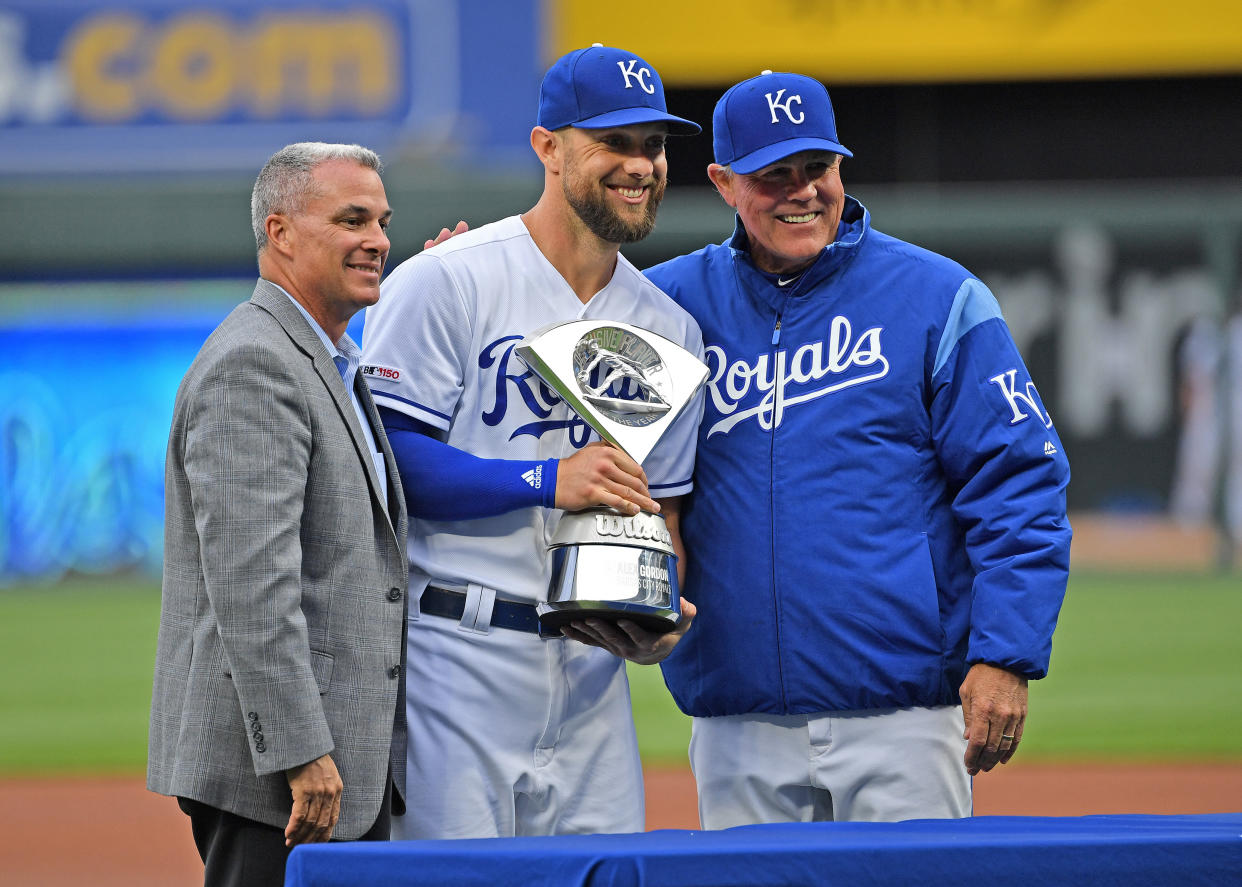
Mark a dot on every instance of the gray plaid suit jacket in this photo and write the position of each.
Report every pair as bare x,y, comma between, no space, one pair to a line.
282,627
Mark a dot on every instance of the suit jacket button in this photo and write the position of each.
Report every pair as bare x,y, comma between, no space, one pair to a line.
394,672
253,716
394,594
260,747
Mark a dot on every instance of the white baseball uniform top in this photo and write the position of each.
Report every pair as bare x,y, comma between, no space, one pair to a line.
439,346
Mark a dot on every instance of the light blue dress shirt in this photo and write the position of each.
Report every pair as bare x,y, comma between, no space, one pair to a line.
347,356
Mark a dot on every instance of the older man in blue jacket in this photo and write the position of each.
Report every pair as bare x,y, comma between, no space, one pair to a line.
878,545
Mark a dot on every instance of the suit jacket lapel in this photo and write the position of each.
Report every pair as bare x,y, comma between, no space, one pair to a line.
272,299
396,496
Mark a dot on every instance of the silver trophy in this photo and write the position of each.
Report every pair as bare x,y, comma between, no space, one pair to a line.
629,384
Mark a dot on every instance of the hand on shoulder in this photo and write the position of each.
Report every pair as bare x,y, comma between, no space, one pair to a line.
460,228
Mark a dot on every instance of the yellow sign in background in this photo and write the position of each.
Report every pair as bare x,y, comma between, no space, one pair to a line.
860,41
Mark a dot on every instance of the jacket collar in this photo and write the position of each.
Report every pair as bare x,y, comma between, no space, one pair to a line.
273,299
855,224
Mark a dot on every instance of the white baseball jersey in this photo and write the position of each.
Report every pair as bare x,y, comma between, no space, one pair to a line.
439,346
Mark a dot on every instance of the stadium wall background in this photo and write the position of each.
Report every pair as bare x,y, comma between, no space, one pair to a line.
1106,214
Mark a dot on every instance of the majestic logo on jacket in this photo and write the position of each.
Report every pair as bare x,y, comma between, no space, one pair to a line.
816,368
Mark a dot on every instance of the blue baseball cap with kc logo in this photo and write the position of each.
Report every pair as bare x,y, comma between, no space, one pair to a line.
601,87
767,118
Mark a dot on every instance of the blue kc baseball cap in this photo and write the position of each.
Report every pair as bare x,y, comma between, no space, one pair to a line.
600,87
767,118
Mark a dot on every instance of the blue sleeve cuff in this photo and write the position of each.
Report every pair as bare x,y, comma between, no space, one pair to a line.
442,482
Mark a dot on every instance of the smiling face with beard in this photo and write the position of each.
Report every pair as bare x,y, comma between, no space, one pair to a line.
614,179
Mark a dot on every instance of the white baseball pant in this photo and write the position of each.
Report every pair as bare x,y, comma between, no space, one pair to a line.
879,766
510,735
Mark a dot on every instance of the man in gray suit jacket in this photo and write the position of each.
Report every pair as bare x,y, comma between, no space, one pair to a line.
275,718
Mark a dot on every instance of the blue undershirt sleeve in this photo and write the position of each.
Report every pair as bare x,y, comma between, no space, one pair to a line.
442,482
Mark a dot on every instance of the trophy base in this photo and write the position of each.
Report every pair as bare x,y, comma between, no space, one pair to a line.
553,616
611,566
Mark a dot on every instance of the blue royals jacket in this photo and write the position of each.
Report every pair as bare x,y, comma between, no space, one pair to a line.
879,495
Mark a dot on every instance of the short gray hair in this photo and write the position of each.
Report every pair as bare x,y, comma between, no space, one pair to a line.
286,183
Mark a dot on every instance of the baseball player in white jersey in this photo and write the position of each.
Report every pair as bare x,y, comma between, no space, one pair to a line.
511,734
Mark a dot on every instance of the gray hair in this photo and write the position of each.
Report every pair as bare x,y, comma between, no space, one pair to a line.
286,184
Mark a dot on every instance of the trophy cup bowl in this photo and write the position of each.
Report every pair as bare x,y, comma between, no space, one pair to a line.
629,384
612,566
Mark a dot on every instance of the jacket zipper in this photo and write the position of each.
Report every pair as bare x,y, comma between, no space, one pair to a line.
776,609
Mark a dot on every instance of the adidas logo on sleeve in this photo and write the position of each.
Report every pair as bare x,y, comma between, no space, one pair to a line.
534,476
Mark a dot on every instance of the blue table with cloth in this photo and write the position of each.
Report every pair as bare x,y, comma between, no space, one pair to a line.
1130,850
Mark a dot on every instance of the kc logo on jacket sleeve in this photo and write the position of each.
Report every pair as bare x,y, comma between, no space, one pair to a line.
1018,398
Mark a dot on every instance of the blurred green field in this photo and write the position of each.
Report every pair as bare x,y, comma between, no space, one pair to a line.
1144,668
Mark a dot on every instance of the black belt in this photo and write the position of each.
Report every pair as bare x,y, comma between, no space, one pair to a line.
505,614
